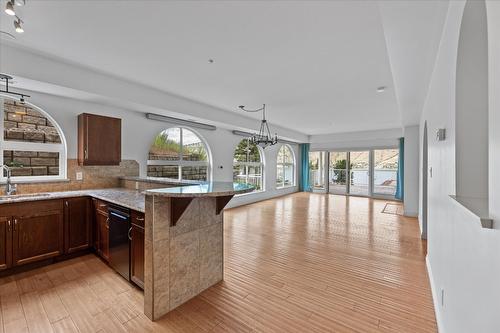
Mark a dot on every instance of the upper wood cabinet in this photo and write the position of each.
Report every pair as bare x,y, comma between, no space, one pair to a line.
77,224
99,140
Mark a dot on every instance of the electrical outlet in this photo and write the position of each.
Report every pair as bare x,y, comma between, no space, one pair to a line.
442,297
79,175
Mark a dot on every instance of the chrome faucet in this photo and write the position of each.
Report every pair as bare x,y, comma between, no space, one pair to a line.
10,188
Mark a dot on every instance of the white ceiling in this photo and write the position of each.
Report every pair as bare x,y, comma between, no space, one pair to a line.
315,64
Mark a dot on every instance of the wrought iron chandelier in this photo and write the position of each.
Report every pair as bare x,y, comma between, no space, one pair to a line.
7,79
264,138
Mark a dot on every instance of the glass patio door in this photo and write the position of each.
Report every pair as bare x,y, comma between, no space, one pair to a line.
337,172
359,173
385,171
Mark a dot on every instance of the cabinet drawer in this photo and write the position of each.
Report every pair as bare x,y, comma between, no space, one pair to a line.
137,218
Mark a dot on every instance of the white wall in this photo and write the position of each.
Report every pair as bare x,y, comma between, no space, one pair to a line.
138,134
493,12
356,140
463,258
411,169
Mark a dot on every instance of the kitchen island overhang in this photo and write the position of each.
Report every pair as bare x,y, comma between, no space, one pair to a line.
184,242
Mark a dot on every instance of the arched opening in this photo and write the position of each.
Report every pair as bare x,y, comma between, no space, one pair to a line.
180,154
33,145
471,116
425,170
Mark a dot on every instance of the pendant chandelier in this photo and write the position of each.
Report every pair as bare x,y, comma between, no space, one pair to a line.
264,138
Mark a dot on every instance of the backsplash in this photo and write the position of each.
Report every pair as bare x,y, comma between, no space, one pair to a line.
93,177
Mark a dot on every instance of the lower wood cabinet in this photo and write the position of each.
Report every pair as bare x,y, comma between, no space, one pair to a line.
37,236
5,242
137,253
77,226
102,225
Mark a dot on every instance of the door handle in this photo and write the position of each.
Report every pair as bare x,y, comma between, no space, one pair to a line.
129,236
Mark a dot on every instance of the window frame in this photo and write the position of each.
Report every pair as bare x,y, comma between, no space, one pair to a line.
182,163
293,164
260,164
60,148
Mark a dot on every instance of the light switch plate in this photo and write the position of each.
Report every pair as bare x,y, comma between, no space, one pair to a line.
79,175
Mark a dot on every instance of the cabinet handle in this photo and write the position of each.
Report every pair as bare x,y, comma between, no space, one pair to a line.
107,223
129,236
9,222
15,224
86,154
139,218
102,205
66,202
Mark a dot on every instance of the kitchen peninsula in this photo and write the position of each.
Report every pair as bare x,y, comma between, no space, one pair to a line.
184,242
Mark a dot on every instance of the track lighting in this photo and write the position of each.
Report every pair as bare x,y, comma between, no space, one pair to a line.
9,8
18,26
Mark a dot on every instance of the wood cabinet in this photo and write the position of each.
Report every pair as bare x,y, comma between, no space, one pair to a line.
38,234
99,140
5,242
137,249
77,226
101,225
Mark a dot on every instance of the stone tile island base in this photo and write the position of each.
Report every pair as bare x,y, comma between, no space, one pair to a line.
184,259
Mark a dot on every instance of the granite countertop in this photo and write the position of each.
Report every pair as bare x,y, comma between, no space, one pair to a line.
166,181
120,196
210,189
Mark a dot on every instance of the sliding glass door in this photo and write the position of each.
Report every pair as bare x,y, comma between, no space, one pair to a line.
385,175
366,172
359,172
337,172
317,161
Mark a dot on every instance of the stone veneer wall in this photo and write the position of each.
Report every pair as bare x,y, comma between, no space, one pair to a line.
22,123
93,177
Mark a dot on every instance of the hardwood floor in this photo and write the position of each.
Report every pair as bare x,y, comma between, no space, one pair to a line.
299,263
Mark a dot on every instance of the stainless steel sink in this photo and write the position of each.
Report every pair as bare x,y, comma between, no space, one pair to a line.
21,196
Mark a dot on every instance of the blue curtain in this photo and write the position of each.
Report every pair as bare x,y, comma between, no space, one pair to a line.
401,170
304,170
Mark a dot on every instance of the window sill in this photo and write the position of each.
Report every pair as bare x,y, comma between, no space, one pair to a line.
285,187
249,193
35,181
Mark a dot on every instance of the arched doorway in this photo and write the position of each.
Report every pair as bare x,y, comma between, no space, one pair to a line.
425,170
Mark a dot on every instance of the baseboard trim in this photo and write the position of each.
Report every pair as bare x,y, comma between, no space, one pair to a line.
435,297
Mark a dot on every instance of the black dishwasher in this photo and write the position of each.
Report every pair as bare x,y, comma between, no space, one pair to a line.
119,247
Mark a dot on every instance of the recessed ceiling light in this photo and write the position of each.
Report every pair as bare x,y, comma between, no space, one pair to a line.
9,8
210,61
381,89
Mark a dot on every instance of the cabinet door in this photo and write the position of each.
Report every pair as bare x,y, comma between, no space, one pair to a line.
37,236
99,140
77,224
137,255
5,242
102,223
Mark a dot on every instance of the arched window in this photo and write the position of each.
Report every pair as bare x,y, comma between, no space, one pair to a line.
179,154
248,165
33,145
285,167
